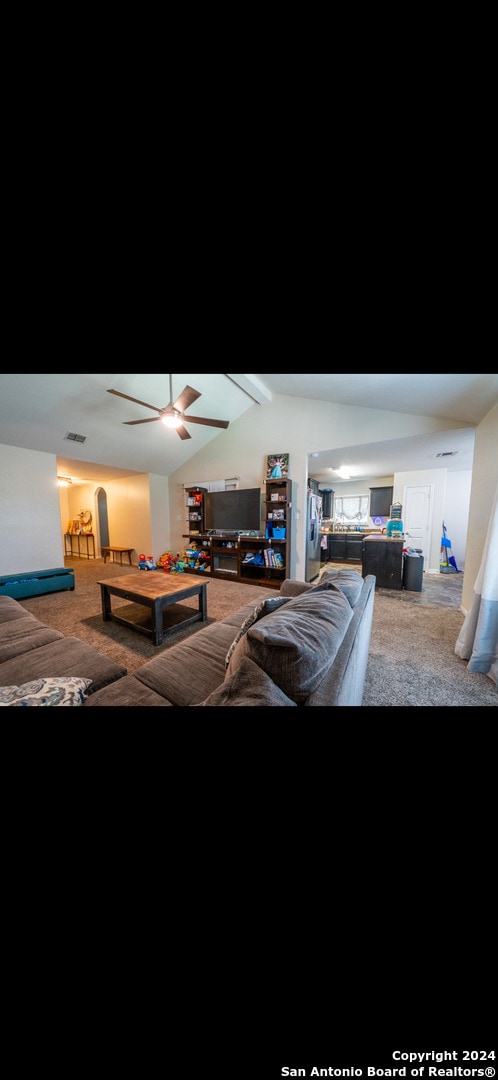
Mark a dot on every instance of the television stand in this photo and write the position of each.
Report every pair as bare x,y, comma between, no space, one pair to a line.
250,557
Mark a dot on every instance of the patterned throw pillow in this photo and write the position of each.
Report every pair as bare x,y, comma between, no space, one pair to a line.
61,690
265,607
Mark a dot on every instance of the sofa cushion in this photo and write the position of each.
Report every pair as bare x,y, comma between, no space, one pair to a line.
67,656
350,582
11,609
248,685
297,644
57,691
127,692
22,635
187,672
264,607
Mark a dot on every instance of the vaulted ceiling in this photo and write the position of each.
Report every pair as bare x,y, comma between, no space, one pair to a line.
39,411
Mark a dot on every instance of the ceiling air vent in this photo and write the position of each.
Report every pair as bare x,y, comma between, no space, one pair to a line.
73,437
447,453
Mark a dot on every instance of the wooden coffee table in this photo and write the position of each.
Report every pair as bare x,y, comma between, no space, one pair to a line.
156,591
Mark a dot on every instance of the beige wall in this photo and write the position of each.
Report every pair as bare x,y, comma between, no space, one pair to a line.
30,529
35,512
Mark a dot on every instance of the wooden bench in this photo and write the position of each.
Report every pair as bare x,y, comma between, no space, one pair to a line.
116,551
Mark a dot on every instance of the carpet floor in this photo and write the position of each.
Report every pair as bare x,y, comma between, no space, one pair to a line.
412,660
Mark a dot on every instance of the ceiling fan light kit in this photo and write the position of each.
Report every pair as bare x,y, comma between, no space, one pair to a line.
173,415
172,421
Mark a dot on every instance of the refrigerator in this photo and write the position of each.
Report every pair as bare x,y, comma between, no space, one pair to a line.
313,537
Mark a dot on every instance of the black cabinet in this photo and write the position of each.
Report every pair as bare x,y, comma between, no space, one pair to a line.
337,547
327,502
384,558
346,547
354,547
380,501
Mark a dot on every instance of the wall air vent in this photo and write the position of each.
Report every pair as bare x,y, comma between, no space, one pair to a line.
73,437
447,453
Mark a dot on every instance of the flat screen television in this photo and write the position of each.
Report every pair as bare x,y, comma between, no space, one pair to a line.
238,510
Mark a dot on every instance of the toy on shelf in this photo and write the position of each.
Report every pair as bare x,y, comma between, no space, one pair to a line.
202,561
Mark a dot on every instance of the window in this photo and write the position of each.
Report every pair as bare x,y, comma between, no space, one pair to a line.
351,509
219,485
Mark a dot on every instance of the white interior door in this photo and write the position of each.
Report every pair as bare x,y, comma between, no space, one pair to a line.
417,517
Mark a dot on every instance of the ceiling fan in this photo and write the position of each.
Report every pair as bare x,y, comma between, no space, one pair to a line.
173,415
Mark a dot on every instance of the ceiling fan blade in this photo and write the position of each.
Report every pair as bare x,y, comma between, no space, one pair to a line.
136,400
187,397
146,420
206,421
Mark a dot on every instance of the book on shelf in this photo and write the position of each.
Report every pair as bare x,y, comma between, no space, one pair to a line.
273,559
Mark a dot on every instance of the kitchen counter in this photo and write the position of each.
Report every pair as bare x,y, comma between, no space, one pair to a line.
344,546
384,539
352,532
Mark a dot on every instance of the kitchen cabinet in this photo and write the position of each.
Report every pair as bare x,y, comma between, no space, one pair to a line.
380,501
327,495
383,557
354,547
345,547
337,547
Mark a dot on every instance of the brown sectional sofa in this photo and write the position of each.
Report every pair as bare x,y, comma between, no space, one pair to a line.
311,650
305,646
30,650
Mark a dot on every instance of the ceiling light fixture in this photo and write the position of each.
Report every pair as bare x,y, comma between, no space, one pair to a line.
64,481
172,420
343,473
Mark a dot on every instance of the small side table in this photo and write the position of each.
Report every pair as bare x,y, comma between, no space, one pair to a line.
89,549
107,549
